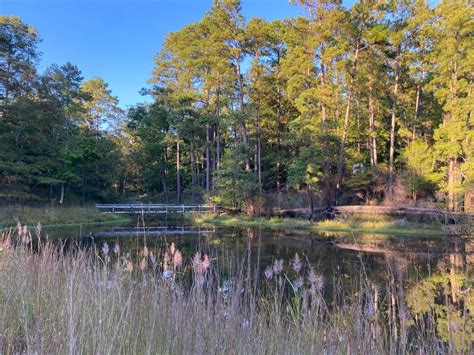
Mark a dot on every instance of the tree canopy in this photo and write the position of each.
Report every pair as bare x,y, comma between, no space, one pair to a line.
367,104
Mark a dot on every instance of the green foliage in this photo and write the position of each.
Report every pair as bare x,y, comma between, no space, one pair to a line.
420,175
149,126
242,108
47,146
235,185
428,297
302,170
100,105
452,55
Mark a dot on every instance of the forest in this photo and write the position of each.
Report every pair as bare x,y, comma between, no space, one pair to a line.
367,104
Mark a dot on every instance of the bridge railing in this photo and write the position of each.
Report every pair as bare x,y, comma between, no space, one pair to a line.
154,208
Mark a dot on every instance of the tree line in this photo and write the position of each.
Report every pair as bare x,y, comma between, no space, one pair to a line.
367,104
57,131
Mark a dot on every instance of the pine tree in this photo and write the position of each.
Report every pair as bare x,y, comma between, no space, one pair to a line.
452,57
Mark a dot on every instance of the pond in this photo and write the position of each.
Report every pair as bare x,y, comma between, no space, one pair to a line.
420,288
332,255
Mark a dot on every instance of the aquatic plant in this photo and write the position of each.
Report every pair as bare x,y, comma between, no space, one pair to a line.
55,300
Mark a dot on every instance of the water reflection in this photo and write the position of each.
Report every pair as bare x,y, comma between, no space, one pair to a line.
153,231
329,253
332,255
421,285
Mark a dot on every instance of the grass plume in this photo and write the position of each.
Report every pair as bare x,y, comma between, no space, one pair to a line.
97,300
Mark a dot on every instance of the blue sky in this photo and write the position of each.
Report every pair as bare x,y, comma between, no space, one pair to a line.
118,39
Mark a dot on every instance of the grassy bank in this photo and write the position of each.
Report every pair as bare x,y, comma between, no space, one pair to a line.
80,302
54,216
353,224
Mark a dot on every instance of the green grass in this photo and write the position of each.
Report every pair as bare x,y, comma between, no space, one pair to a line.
55,216
359,224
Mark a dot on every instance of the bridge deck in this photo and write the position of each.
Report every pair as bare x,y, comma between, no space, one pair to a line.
153,208
153,232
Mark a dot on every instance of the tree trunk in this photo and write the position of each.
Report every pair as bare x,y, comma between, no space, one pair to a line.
258,165
452,180
240,96
61,198
278,163
391,169
341,161
417,110
372,138
309,194
326,163
165,173
178,177
193,173
7,87
218,131
218,148
245,138
208,159
469,200
84,184
359,130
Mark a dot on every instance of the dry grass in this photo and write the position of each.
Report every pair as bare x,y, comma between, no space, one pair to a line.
98,301
9,215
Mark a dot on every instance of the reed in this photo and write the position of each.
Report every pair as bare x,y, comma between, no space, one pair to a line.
54,300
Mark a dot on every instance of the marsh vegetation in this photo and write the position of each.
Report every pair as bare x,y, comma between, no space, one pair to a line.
54,216
140,296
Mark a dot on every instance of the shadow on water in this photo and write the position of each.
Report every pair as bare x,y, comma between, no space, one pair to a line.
419,283
330,254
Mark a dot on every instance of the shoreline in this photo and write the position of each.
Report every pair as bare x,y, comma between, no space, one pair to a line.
55,217
347,226
58,217
73,224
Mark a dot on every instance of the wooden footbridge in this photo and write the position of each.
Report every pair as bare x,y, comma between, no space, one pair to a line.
154,208
154,231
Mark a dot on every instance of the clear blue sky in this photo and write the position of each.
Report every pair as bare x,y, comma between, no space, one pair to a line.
118,39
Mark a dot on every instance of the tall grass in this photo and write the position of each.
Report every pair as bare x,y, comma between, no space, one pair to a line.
49,215
54,300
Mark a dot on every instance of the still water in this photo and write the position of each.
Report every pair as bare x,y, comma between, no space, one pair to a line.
331,255
423,281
